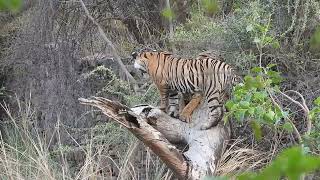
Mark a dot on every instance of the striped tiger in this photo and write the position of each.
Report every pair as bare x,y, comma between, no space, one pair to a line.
205,78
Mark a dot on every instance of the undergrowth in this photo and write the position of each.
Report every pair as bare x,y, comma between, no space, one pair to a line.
109,151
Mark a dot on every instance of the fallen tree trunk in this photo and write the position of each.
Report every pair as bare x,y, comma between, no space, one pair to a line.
189,152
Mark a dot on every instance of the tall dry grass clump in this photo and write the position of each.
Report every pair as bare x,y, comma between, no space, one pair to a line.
26,154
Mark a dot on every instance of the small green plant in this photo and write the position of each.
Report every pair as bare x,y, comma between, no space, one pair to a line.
261,34
198,33
12,5
314,116
211,6
251,100
168,14
113,86
315,40
260,31
315,112
292,163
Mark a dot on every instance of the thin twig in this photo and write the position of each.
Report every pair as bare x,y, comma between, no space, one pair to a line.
295,130
303,106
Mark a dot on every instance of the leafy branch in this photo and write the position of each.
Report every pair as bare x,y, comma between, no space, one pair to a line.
256,98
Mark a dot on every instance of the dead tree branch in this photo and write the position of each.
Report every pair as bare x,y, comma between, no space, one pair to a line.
161,132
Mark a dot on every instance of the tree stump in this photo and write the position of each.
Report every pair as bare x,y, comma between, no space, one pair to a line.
191,153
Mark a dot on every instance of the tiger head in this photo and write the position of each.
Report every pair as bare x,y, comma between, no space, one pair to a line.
143,58
146,60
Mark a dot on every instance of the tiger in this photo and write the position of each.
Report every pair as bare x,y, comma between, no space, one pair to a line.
204,78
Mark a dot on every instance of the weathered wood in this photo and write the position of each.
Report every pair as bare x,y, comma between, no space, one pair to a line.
161,132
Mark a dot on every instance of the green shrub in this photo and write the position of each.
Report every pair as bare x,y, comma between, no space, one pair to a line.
12,5
292,163
198,33
112,86
251,100
314,140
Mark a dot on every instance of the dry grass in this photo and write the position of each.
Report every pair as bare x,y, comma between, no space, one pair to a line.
238,158
26,154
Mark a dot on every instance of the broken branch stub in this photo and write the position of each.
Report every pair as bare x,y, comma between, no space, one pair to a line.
161,133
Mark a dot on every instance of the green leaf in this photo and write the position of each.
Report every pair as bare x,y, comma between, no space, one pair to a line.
287,126
251,110
315,40
256,129
314,113
274,76
12,5
256,69
269,116
259,82
262,28
317,101
259,111
168,14
260,96
239,114
244,104
229,105
291,163
275,44
267,40
249,80
271,65
246,176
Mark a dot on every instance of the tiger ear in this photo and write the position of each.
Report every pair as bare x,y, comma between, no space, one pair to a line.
167,53
134,55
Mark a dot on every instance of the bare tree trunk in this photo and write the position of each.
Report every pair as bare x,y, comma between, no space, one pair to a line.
160,132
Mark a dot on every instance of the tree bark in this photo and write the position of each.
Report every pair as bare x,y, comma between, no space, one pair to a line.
201,149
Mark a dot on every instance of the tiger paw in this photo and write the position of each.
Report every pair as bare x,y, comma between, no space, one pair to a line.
209,125
163,109
185,117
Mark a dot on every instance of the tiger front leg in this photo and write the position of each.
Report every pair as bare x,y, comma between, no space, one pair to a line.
164,98
187,111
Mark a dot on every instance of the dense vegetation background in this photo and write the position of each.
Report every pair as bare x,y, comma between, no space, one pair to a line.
51,54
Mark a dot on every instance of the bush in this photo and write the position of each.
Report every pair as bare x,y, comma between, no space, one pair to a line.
198,33
112,86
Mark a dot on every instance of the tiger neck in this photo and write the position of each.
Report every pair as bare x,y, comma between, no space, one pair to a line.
158,69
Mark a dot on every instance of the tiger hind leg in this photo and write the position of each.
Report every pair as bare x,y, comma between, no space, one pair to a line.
187,111
215,117
174,104
216,110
